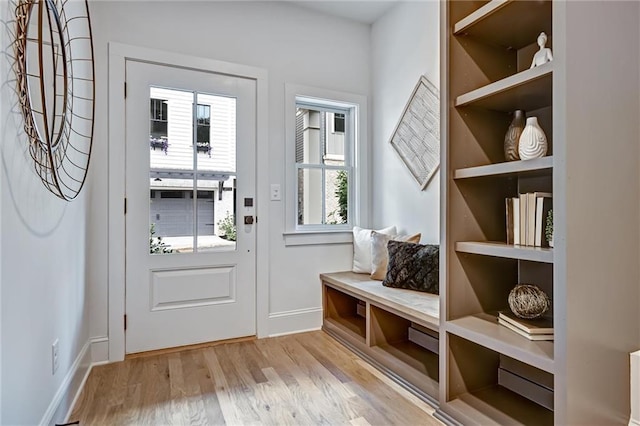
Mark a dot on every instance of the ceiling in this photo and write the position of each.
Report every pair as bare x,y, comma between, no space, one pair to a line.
366,12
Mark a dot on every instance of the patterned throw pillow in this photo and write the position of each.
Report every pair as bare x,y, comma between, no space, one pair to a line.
413,266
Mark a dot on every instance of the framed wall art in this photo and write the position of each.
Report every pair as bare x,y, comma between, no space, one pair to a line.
416,137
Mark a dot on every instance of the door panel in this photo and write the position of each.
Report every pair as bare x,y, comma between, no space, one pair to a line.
190,154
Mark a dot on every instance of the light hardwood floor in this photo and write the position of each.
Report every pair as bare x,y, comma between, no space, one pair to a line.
301,379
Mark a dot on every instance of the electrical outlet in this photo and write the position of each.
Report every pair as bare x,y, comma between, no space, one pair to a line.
275,192
55,361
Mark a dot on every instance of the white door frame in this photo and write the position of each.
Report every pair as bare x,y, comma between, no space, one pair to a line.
118,55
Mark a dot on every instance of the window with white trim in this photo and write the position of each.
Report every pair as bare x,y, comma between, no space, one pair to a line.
323,164
326,169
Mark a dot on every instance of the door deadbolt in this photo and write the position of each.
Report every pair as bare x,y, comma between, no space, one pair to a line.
248,220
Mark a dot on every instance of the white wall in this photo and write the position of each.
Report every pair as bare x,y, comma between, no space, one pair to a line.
295,46
43,293
405,45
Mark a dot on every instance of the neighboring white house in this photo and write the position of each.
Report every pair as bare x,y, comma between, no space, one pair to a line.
175,190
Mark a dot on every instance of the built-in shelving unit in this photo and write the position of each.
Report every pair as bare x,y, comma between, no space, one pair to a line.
489,47
488,374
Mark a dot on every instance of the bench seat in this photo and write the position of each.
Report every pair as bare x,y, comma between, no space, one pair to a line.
395,330
422,308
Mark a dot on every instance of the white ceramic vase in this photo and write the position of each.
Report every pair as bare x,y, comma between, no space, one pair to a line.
512,138
533,141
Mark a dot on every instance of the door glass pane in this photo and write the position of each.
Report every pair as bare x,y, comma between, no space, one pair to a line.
192,145
216,165
171,159
170,215
216,228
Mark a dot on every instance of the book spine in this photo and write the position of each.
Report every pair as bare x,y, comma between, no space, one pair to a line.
531,218
516,220
523,219
509,219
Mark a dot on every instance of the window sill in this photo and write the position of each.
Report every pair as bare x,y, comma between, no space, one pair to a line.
311,238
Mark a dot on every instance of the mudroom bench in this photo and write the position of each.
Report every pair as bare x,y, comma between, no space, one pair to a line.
395,330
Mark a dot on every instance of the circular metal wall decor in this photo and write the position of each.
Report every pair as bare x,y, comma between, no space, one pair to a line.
55,77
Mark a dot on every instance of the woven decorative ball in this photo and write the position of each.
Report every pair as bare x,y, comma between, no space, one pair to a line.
528,301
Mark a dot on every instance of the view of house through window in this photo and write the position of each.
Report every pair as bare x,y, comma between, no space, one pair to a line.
192,159
324,139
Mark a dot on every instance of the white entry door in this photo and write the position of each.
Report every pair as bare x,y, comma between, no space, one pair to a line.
190,188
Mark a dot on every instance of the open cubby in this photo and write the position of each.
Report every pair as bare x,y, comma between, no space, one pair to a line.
392,348
476,395
341,310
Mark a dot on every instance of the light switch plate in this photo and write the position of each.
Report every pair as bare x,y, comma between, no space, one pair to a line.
276,195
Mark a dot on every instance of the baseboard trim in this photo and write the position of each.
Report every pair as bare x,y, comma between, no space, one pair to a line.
297,321
99,350
71,385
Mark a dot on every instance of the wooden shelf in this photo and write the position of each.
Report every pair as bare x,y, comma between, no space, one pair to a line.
484,330
351,326
420,359
413,363
528,90
498,405
498,249
508,23
536,167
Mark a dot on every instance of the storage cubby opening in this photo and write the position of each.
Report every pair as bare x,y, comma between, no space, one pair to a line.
513,26
390,335
483,282
477,135
475,376
345,311
492,61
539,274
484,201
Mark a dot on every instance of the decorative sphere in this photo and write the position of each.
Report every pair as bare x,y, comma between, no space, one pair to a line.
528,301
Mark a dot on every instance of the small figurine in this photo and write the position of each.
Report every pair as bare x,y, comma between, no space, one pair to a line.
543,55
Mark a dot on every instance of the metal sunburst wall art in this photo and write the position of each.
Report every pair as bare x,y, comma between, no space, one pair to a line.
55,76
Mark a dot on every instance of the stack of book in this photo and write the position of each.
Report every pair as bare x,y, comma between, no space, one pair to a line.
536,329
526,216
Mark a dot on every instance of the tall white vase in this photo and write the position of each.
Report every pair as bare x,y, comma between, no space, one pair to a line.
533,141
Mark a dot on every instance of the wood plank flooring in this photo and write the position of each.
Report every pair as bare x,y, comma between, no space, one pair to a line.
301,379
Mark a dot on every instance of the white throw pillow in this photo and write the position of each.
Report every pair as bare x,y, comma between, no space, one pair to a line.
362,248
380,255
